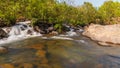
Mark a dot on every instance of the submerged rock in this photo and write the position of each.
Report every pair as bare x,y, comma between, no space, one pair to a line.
26,65
107,34
41,53
3,50
6,66
37,47
3,34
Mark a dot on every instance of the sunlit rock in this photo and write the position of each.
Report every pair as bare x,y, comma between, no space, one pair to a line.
54,33
105,34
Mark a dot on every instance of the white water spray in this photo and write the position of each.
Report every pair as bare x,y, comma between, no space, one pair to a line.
19,31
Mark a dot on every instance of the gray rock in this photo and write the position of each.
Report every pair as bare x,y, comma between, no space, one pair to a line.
3,34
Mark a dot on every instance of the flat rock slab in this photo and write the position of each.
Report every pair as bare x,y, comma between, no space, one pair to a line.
104,34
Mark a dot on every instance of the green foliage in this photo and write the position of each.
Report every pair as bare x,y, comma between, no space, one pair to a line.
108,11
87,13
51,11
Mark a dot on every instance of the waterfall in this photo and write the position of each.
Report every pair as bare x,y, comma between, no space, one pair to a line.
23,30
19,31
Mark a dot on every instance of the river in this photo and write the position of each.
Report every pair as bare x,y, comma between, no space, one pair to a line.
72,50
81,52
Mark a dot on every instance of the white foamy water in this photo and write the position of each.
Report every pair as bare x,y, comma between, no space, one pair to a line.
60,37
72,33
19,31
22,30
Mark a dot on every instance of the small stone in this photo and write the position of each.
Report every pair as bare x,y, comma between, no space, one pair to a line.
29,32
50,29
3,50
37,29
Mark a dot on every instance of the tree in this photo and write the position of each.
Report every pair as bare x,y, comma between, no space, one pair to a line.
87,13
108,11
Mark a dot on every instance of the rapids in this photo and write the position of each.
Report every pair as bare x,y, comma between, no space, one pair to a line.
19,31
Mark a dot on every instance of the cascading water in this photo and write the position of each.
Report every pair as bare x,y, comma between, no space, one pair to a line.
71,32
19,31
23,30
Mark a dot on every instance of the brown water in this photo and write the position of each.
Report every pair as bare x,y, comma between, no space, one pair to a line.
50,53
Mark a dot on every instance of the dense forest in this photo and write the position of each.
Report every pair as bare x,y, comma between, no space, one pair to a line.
52,11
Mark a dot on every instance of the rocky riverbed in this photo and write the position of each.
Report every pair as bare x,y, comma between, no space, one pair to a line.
81,52
69,50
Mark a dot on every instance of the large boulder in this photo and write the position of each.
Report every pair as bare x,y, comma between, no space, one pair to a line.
3,34
104,34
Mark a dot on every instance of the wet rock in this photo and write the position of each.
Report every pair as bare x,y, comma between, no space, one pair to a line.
3,34
50,29
54,33
27,65
7,29
37,29
6,66
37,47
29,32
41,53
43,28
44,66
66,28
3,50
107,34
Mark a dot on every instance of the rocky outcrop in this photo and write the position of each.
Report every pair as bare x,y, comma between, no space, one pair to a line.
43,28
104,34
3,34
